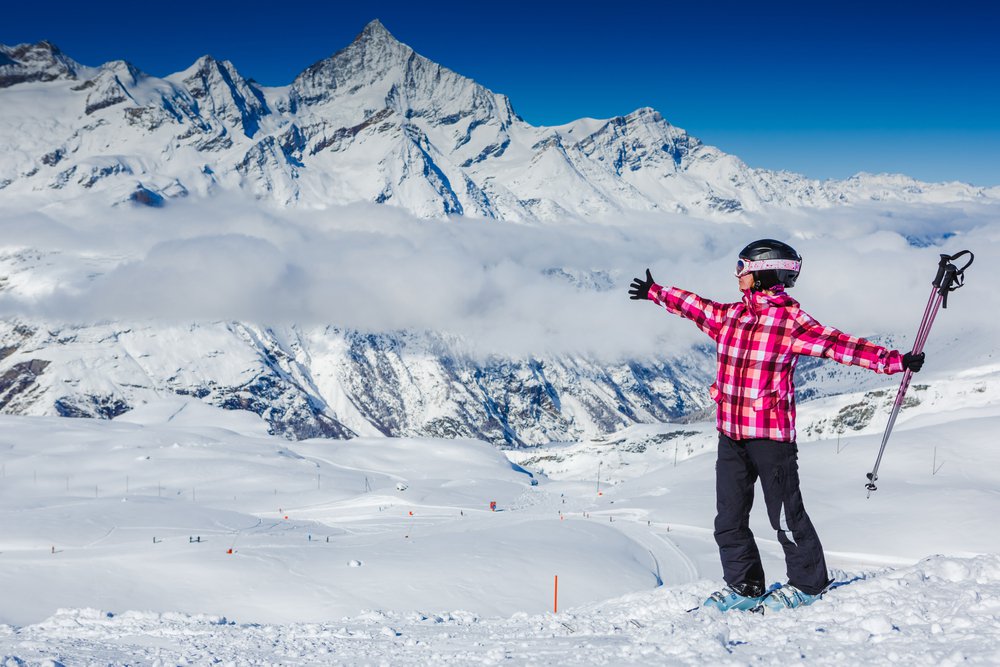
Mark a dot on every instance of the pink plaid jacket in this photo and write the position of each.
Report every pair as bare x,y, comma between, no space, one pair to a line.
758,342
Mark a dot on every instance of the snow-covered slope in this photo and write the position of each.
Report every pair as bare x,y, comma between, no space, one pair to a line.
375,122
941,611
183,533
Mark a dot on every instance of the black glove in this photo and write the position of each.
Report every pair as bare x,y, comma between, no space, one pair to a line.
639,289
913,362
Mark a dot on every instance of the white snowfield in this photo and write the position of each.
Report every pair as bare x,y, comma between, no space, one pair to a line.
116,539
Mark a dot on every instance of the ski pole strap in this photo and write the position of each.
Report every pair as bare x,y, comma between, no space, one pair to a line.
949,277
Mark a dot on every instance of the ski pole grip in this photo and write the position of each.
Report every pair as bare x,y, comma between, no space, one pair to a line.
942,267
949,277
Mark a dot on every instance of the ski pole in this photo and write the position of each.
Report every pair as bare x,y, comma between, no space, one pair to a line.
948,279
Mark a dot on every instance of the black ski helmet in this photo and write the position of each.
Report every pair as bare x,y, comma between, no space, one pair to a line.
771,249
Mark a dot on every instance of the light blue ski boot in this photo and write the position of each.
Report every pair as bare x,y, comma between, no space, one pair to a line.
732,597
786,597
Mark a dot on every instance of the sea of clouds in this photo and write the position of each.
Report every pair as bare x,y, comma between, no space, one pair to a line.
502,288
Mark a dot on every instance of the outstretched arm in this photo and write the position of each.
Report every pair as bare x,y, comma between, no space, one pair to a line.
707,315
815,340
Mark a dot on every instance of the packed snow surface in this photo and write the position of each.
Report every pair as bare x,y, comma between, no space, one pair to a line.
182,534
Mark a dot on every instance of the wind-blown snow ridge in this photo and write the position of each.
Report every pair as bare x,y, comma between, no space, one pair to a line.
374,122
942,611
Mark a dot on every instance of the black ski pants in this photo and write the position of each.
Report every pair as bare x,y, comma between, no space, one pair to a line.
740,464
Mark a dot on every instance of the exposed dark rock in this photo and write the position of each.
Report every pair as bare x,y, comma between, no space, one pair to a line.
219,142
148,118
493,150
42,61
222,92
52,158
97,173
336,140
62,178
723,204
268,397
19,378
91,407
146,197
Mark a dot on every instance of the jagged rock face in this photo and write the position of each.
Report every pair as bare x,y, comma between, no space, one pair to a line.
223,93
26,63
375,65
327,382
111,86
374,122
641,139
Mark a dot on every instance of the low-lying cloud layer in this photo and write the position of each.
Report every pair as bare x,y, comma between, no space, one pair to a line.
502,287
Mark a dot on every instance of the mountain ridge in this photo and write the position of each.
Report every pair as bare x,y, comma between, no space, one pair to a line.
375,122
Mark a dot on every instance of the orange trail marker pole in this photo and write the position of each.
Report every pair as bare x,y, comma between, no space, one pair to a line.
555,601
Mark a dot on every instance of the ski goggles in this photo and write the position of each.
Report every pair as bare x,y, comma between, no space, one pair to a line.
745,266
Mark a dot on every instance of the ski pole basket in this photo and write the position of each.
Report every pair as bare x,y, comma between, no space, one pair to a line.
949,278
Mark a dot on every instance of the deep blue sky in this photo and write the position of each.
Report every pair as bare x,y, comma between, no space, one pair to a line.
826,89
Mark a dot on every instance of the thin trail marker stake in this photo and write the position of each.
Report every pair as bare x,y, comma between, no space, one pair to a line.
937,467
948,279
555,600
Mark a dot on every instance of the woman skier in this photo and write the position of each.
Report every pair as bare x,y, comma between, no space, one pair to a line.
758,341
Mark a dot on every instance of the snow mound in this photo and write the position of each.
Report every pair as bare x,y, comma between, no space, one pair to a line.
181,412
941,611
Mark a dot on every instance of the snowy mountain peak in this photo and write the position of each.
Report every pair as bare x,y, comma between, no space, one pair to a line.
112,85
376,31
374,122
221,91
42,61
372,57
124,70
646,113
204,63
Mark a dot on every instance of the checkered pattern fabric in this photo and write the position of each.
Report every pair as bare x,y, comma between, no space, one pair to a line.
758,342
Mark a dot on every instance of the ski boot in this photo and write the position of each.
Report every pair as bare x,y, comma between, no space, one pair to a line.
736,596
786,597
